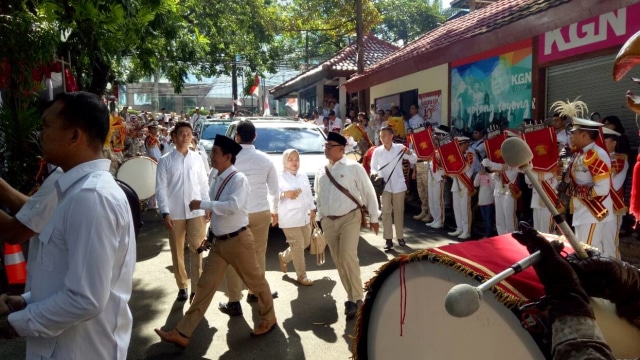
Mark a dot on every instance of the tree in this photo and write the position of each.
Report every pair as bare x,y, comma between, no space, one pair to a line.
406,20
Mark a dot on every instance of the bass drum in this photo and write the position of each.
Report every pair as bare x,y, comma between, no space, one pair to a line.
404,317
140,174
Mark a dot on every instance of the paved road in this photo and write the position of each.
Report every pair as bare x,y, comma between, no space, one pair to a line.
311,321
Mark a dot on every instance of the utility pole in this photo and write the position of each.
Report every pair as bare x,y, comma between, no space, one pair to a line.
362,105
234,85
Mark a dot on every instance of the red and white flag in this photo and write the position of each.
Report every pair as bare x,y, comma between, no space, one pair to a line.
267,107
255,89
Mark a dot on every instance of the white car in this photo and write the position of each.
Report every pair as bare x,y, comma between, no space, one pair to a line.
275,135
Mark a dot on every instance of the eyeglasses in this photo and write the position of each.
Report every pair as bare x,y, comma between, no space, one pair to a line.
330,146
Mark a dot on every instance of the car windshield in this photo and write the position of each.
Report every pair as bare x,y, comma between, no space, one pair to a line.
211,130
278,139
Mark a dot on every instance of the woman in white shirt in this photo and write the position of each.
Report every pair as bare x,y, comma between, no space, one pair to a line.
296,211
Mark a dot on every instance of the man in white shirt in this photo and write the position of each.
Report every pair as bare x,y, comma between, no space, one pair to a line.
180,178
82,276
416,120
341,217
335,121
387,163
263,209
232,245
560,126
196,116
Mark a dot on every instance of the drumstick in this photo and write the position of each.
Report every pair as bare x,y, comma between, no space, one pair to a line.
516,153
463,299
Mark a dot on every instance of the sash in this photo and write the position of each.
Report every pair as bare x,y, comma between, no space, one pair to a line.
513,187
466,181
617,195
552,195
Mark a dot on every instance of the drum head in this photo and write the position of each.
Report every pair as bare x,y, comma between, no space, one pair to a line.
140,174
429,332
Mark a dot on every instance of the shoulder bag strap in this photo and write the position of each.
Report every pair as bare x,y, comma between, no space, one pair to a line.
340,187
394,166
224,183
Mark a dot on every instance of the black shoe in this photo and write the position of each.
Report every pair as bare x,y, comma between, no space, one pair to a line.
254,298
388,245
191,297
350,309
401,242
182,295
231,308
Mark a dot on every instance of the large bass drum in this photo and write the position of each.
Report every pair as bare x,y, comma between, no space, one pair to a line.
139,173
403,316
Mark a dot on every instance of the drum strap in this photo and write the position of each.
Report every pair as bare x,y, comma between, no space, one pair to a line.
224,183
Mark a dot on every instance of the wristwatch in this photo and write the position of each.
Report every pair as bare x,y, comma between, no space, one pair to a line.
164,215
282,195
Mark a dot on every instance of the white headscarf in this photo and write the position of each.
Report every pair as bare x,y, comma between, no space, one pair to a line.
285,157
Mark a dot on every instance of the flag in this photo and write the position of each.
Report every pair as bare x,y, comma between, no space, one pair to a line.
544,146
452,160
493,146
255,89
422,144
267,107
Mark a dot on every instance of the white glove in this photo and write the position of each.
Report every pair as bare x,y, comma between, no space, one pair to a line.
486,162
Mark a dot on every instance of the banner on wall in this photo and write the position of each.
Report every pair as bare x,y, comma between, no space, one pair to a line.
597,33
492,91
431,107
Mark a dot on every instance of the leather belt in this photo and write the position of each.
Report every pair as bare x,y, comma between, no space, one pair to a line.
230,235
336,217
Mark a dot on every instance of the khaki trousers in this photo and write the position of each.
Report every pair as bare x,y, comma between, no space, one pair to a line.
259,226
422,184
392,213
298,239
342,236
238,252
193,231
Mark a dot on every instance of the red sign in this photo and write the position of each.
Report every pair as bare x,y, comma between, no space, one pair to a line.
452,161
597,33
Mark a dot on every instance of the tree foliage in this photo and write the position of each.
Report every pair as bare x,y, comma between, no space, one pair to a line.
406,20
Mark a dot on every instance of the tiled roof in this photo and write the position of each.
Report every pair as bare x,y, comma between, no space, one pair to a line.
345,61
374,51
475,23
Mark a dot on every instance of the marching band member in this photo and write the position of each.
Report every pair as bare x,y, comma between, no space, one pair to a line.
506,192
542,218
152,143
619,168
589,188
461,193
435,183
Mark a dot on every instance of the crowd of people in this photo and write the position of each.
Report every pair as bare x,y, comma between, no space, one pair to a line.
77,290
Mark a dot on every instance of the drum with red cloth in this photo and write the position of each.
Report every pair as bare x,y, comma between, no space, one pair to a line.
404,316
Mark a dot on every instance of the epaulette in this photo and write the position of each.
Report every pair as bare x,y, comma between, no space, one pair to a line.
590,156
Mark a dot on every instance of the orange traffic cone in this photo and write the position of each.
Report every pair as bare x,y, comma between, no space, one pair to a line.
14,264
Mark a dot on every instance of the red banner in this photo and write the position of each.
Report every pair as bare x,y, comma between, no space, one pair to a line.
492,147
423,144
452,161
544,146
